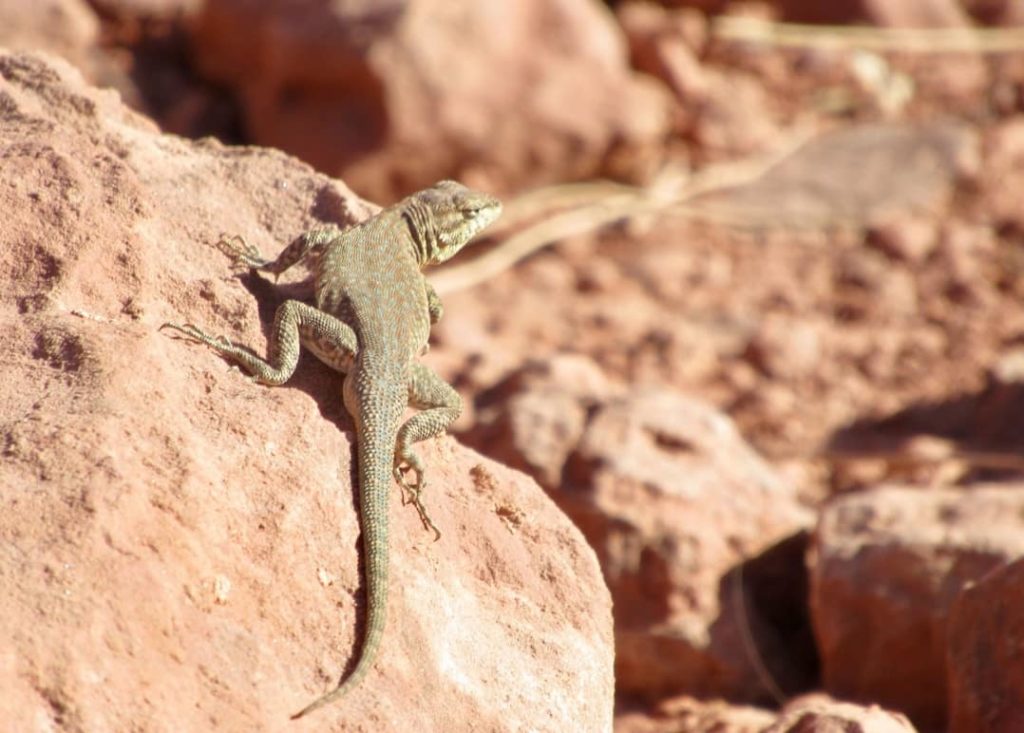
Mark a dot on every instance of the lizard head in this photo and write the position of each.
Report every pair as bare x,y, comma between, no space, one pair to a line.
445,217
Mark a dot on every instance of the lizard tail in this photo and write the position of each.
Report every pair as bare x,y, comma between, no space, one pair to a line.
376,446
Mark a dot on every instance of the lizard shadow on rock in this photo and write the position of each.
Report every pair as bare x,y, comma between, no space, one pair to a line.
313,377
323,385
388,325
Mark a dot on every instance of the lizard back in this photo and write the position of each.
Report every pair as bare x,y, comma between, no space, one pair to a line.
369,278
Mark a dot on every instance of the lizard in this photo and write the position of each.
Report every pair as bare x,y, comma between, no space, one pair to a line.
371,320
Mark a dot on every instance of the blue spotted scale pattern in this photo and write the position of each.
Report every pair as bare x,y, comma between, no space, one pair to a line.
371,321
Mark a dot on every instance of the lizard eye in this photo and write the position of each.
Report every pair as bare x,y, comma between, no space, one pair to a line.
470,213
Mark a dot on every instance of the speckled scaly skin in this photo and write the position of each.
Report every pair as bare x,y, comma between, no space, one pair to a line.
372,319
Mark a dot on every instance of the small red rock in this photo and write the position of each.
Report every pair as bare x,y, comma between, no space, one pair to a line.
905,238
886,565
688,715
819,714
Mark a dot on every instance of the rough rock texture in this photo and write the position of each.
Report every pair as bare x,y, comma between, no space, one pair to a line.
886,564
815,713
819,714
673,500
179,546
687,715
397,95
986,654
884,350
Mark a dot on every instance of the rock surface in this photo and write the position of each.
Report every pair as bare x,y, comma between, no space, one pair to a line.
819,714
887,349
986,654
179,545
687,715
673,500
815,713
886,566
396,96
68,28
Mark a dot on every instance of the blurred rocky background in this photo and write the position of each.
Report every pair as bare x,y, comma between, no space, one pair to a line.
752,319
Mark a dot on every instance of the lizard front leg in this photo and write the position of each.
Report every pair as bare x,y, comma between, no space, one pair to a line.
244,254
434,305
440,405
333,341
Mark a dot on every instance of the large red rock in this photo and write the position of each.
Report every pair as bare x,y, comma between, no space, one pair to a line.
180,546
886,565
673,500
986,654
394,97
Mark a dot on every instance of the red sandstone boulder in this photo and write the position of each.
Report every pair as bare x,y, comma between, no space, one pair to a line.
393,97
180,546
673,500
986,654
886,565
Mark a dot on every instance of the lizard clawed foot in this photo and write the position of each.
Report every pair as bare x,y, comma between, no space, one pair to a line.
242,253
411,494
218,343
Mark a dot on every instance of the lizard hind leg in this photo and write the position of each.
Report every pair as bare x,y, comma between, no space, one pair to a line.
440,405
412,493
220,343
332,340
